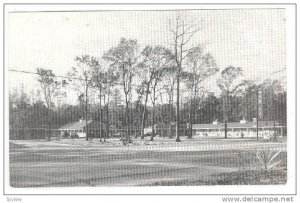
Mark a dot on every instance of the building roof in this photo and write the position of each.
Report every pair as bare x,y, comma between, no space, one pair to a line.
235,125
95,125
80,125
66,126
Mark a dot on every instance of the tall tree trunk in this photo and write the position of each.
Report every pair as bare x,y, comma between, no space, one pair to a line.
191,120
100,113
226,114
104,109
274,116
257,112
49,123
153,116
177,111
107,123
86,113
225,129
162,118
192,104
170,117
127,121
138,127
144,113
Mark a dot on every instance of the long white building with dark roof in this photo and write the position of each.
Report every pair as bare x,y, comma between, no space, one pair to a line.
239,129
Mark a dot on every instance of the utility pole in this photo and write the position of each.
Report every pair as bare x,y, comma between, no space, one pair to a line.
274,116
177,111
226,113
100,113
86,111
257,112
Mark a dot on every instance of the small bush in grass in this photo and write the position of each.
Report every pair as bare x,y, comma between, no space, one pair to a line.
267,159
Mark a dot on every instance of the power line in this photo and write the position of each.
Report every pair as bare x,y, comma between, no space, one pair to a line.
59,76
56,76
278,71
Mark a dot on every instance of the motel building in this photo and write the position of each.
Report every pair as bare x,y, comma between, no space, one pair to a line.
242,129
78,129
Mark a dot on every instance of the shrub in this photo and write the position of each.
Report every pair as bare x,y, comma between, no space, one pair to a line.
267,159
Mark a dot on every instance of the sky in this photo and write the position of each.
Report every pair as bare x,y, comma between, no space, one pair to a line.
253,39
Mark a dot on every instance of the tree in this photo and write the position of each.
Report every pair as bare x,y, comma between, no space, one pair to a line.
98,79
265,100
271,89
81,77
155,63
250,104
182,34
207,108
124,58
200,66
227,84
116,116
51,88
110,80
18,108
169,87
141,90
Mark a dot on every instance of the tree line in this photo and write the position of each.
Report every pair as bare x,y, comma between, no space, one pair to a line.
125,88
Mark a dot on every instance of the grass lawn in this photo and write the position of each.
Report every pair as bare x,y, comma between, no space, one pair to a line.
163,162
247,177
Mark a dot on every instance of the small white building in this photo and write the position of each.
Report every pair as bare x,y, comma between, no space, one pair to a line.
78,129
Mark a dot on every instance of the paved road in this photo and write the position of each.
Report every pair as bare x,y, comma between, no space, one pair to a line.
47,164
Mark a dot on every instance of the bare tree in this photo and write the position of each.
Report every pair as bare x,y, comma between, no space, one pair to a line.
110,80
124,58
142,89
81,77
116,100
169,87
155,62
51,88
97,81
199,67
227,84
141,109
182,35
